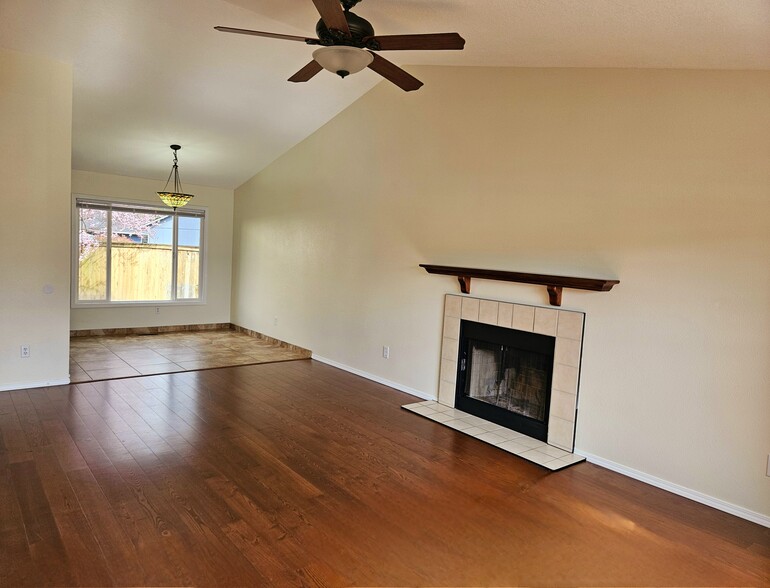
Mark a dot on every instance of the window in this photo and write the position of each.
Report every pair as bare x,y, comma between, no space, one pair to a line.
137,253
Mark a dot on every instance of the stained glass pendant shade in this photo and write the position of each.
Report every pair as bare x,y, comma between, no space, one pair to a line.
176,198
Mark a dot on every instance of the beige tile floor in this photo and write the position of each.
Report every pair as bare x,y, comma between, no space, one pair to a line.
106,357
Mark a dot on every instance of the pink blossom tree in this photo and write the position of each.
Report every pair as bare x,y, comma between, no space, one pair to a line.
93,228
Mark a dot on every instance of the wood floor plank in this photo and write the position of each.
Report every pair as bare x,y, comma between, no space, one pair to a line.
46,548
163,490
120,554
161,566
271,570
166,558
58,490
29,420
16,567
64,446
15,441
298,474
86,559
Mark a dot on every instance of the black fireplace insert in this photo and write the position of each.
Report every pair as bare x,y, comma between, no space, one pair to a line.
504,376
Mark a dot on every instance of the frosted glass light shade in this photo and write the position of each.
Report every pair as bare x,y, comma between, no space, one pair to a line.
342,60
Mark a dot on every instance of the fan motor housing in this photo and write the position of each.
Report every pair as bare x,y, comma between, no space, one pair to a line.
360,28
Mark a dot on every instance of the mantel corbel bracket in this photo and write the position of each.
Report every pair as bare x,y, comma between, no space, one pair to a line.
465,284
554,295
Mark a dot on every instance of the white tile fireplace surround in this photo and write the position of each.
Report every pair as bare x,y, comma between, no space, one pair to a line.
565,326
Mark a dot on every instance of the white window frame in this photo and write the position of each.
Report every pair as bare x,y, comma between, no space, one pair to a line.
139,206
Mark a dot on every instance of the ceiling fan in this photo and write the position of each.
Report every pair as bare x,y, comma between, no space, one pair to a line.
348,45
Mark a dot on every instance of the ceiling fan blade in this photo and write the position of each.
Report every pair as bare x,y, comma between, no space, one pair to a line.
308,40
407,42
393,73
306,72
332,14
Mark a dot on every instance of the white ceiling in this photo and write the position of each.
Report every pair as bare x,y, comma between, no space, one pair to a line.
148,73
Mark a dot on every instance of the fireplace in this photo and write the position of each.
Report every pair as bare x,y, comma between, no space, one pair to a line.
548,342
504,376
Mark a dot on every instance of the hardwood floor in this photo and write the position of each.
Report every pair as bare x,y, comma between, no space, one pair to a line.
298,474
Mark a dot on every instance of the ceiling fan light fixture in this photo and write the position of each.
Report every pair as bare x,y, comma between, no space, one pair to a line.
342,60
176,198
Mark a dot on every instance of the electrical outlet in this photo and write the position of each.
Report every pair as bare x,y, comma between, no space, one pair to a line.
25,351
385,351
157,310
275,321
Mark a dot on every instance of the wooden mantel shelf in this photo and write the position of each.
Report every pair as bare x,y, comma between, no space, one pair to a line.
554,284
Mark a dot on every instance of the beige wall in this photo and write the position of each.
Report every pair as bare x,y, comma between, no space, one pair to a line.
658,178
35,148
219,236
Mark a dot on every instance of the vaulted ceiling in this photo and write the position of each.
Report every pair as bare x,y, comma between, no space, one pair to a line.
148,73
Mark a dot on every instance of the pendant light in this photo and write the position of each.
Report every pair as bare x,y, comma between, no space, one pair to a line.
176,198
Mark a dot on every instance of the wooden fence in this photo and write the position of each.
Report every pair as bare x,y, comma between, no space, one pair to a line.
139,272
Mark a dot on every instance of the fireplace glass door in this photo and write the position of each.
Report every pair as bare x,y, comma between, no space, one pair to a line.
504,376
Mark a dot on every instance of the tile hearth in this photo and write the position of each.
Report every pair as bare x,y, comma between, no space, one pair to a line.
533,450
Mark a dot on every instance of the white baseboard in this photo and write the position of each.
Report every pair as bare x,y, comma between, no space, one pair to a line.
717,503
38,384
373,378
